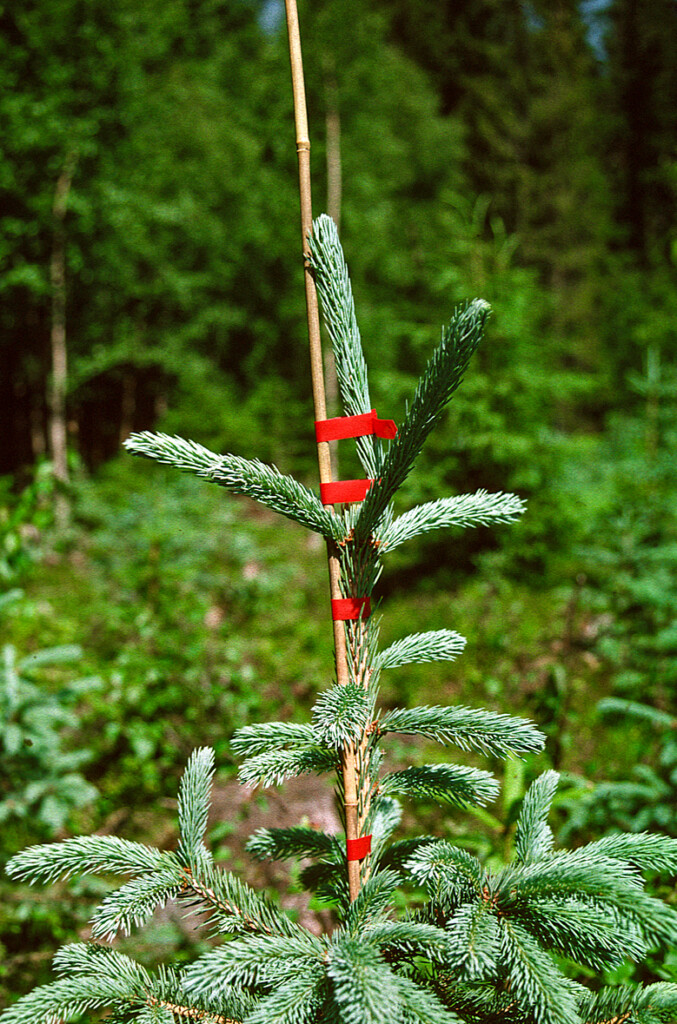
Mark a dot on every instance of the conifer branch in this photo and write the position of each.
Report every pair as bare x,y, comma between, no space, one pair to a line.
273,767
135,902
298,1000
474,940
365,990
535,980
467,728
175,1010
533,835
372,903
280,843
437,645
329,268
194,803
87,855
450,874
440,380
479,509
235,907
254,960
342,714
264,484
265,737
421,1005
451,783
646,851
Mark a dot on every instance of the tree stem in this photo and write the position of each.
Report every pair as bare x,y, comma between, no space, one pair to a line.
348,760
59,376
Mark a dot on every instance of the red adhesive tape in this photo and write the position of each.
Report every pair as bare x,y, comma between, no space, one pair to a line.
345,608
358,848
344,491
354,426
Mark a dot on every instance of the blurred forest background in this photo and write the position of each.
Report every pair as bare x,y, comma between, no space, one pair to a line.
524,152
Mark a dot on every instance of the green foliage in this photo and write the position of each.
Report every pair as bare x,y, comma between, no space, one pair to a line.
22,519
480,944
632,568
475,931
40,782
263,483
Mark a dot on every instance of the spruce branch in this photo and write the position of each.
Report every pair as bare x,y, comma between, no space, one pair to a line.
442,376
135,902
329,269
273,767
341,715
106,979
70,997
372,903
365,990
622,1004
281,843
92,958
455,784
534,978
437,645
159,1013
478,509
194,803
596,879
584,931
646,851
467,728
533,835
235,907
298,1000
451,875
255,960
421,1006
264,484
408,938
87,855
265,737
565,874
397,854
386,815
473,941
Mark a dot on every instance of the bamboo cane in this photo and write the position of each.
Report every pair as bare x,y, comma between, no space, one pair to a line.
349,759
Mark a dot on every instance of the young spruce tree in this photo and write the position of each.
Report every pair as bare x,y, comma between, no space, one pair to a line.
483,947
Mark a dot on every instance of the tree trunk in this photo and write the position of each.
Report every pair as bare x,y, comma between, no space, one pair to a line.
59,377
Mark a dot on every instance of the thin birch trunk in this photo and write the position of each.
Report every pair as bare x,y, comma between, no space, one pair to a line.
349,757
58,433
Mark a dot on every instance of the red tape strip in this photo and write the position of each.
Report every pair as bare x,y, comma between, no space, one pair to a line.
345,608
355,426
358,848
344,491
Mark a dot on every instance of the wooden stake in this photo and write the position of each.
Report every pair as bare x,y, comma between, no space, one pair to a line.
349,760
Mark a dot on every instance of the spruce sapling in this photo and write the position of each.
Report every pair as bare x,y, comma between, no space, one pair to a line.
484,947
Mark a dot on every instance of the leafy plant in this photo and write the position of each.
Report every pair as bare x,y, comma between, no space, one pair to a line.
40,781
22,518
42,787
